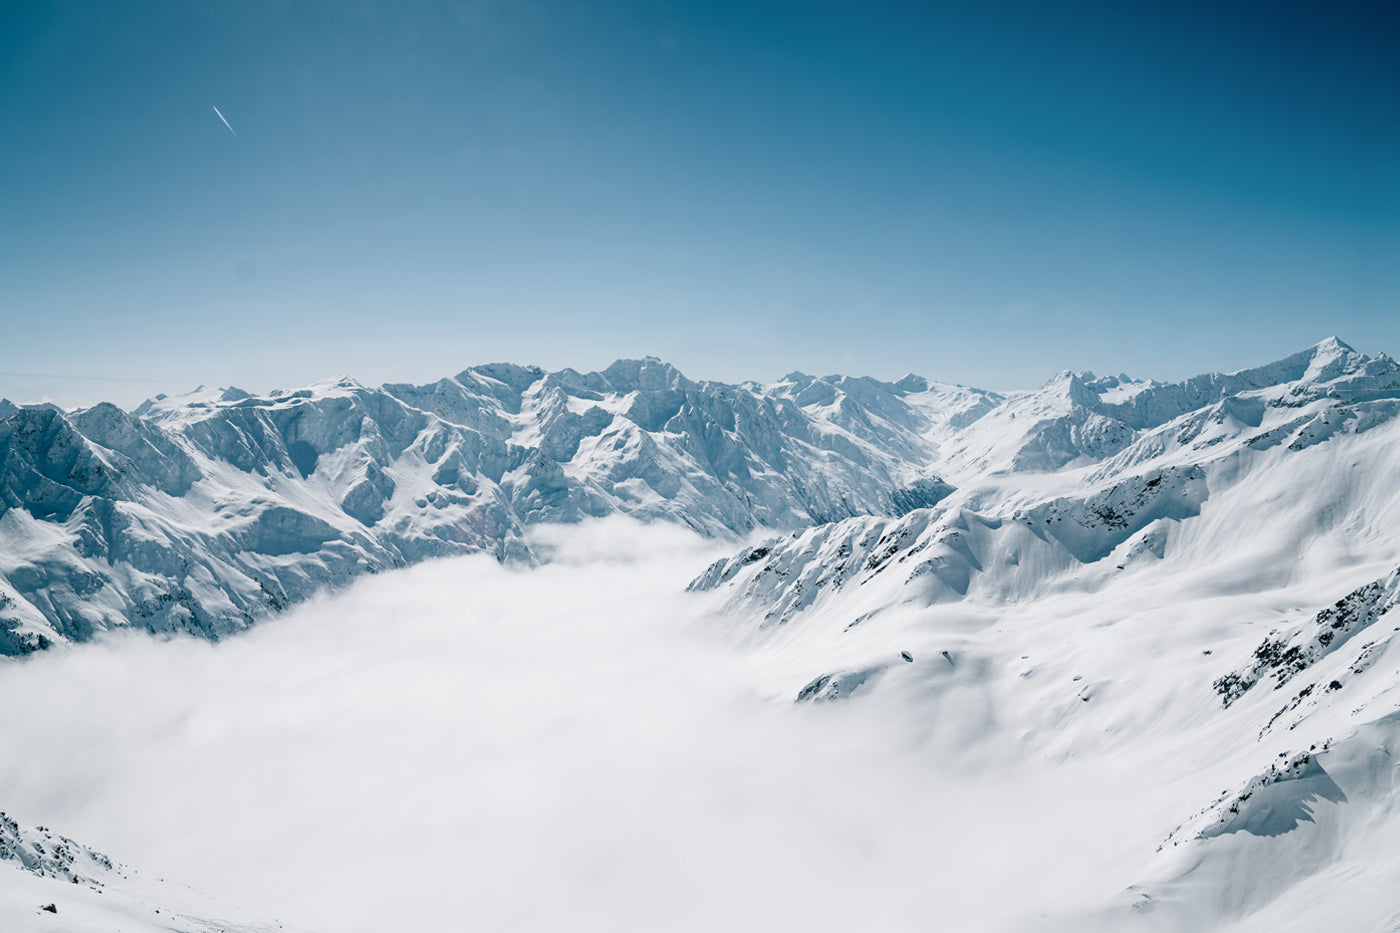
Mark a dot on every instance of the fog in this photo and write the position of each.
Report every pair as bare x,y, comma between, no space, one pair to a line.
462,745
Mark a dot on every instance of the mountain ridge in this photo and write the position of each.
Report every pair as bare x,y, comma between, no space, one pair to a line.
205,512
1212,596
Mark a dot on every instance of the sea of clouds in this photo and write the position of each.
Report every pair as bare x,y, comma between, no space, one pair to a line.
465,745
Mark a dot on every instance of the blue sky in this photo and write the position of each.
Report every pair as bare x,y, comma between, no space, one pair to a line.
981,193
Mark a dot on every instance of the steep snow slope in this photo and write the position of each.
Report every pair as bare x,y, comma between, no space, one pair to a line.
203,513
50,882
1274,811
1261,476
1209,605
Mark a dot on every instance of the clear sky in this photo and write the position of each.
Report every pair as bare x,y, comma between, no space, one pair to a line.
976,192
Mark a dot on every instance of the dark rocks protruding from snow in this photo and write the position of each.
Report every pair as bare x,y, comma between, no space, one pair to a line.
837,686
50,855
921,494
1283,657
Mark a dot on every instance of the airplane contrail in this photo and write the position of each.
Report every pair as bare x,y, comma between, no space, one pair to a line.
221,117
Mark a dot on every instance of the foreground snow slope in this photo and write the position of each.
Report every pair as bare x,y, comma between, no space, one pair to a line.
50,882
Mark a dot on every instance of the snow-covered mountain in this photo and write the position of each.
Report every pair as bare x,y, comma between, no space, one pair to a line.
1199,578
206,512
1087,485
1189,584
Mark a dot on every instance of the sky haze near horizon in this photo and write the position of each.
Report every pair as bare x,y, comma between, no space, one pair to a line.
978,195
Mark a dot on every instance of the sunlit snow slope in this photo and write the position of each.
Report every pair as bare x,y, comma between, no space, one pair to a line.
1195,583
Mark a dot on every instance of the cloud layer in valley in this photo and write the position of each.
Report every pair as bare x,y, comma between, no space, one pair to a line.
463,745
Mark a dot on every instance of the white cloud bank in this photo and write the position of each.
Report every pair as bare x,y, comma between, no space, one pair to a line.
462,746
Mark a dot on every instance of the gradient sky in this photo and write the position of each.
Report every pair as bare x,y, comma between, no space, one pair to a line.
980,193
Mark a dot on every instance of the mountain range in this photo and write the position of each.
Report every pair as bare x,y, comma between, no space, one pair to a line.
1195,576
205,512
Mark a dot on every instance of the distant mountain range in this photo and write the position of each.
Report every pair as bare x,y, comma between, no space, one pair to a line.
205,512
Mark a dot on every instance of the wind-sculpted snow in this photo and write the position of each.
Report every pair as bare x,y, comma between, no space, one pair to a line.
1013,532
1272,803
1076,420
1094,526
1302,844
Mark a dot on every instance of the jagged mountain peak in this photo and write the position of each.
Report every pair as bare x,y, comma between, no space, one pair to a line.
517,377
1070,387
1321,362
342,383
1333,344
648,374
1331,358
